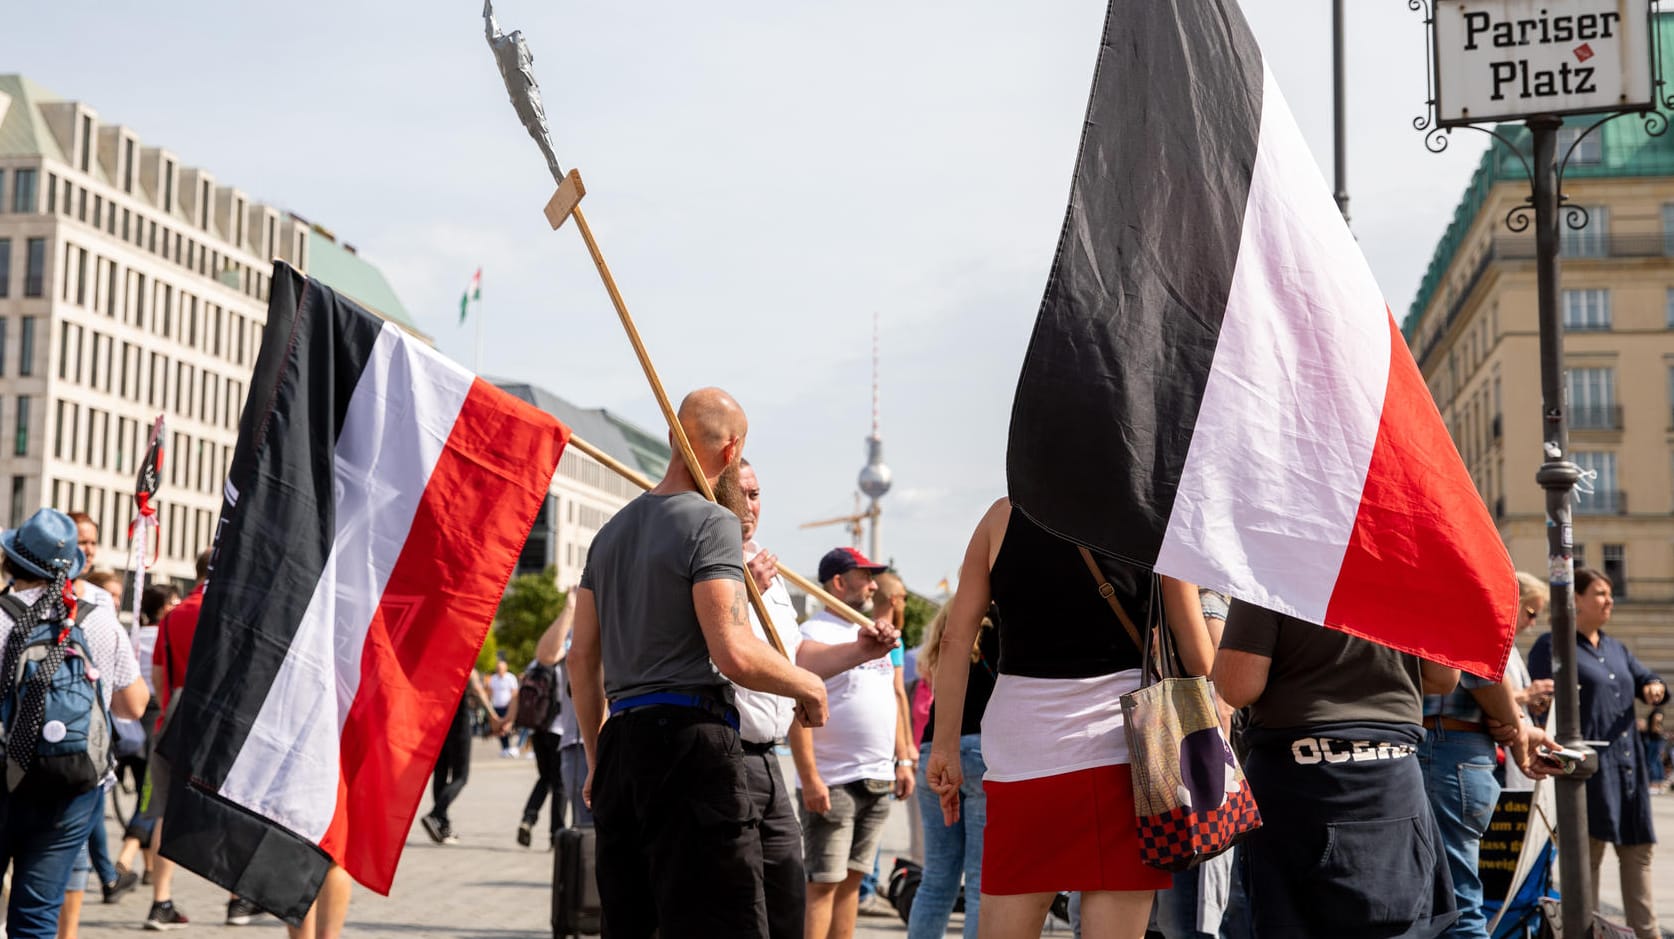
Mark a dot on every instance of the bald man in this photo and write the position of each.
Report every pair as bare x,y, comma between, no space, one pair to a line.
661,625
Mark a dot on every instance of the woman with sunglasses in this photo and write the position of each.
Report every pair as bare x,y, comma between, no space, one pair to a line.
1533,694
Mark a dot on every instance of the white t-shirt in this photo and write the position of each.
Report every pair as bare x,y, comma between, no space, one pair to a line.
762,717
501,688
858,739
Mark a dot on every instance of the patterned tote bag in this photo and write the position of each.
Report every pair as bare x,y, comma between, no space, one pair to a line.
1191,800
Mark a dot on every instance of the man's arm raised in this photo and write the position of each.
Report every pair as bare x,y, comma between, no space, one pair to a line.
723,613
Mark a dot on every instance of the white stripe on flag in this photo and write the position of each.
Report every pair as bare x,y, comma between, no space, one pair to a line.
1272,482
400,416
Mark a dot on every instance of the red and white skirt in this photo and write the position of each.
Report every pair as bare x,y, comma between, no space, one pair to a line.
1060,797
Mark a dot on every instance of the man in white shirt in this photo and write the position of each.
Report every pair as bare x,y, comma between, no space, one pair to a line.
861,757
764,719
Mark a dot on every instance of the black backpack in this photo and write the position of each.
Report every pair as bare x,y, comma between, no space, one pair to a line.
537,697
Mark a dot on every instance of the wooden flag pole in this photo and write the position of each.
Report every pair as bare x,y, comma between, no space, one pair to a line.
812,589
566,203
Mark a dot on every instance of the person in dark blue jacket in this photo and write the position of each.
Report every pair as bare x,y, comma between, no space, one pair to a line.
1619,795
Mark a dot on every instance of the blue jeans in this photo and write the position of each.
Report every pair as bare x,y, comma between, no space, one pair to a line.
98,846
950,850
1178,906
572,765
40,838
1459,777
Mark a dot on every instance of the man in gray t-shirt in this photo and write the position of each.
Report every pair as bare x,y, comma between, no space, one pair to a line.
661,545
661,616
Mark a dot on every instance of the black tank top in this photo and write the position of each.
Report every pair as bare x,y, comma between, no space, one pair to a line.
1053,623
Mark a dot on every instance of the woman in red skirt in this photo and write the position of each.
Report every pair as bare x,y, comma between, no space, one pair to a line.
1060,798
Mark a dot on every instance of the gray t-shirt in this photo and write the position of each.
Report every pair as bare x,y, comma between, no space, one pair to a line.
641,569
1322,676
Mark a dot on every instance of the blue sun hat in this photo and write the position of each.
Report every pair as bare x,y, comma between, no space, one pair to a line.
45,546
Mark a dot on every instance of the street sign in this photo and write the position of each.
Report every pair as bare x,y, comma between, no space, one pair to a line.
1502,60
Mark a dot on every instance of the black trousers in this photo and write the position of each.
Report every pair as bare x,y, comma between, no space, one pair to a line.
783,878
678,851
453,766
550,781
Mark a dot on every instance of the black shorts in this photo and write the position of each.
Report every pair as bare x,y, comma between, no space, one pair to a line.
678,851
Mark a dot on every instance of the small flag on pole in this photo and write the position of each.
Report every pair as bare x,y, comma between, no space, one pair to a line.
473,291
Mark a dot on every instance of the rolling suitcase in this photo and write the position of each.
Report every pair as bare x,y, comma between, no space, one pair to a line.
575,885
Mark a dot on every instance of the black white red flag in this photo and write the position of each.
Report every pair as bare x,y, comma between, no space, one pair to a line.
1216,388
378,499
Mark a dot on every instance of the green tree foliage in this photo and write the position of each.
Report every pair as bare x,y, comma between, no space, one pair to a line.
920,611
531,603
490,651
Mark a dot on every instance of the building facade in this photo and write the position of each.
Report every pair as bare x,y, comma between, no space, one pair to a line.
1474,330
132,285
584,493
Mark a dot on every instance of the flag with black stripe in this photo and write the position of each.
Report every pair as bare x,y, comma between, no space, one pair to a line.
376,505
1215,387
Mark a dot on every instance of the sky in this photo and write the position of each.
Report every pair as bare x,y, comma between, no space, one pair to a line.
763,178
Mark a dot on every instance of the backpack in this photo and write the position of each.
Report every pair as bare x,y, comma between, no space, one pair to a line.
73,754
537,697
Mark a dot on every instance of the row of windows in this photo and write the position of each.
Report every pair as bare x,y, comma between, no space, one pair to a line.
104,441
130,372
65,198
584,470
103,286
185,530
34,268
1613,563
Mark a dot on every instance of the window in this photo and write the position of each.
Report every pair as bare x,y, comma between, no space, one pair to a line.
1589,150
127,169
1615,568
81,277
86,144
1591,241
34,268
5,267
23,195
113,293
168,185
16,509
26,348
1586,309
20,446
1606,497
1592,398
52,194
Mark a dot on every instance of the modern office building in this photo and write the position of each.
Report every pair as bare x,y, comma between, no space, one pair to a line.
584,494
132,285
1474,330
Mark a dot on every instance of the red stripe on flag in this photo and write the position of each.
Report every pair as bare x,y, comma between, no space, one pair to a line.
470,527
1425,571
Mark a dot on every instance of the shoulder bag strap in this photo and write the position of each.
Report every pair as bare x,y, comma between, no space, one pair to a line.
1109,594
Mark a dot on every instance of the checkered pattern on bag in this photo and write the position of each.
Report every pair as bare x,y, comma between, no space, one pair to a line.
1180,839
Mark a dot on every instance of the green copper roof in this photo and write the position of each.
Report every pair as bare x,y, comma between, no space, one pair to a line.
22,130
351,275
1626,151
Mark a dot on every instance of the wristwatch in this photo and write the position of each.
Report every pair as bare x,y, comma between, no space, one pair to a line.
907,763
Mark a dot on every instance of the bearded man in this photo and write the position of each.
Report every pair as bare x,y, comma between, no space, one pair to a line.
661,624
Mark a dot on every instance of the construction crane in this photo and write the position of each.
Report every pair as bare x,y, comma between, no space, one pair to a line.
856,521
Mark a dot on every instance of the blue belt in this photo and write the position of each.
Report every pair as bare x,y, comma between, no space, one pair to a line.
707,705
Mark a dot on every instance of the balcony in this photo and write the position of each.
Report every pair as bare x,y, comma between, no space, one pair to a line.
1522,248
1602,502
1595,417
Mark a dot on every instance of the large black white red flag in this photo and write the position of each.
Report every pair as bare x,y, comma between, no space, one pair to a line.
1216,388
376,505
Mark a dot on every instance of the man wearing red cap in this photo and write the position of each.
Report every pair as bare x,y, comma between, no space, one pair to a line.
860,757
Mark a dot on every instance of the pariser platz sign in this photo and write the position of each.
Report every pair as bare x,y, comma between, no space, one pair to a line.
1501,60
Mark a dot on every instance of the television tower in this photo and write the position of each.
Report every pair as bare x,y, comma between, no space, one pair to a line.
875,476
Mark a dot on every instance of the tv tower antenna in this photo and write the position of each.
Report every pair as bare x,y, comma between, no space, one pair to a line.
875,477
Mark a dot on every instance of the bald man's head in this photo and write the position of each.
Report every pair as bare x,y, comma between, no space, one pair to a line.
712,420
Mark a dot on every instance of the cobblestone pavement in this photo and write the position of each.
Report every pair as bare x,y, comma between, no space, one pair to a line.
486,886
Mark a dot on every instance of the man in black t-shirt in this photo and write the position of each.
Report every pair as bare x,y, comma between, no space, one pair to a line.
1348,843
661,624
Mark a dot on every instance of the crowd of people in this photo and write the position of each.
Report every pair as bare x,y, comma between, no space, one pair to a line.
1376,771
1002,734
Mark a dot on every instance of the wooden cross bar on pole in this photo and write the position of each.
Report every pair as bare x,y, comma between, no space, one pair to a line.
565,204
812,589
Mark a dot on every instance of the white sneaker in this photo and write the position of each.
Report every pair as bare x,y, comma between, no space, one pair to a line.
507,753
